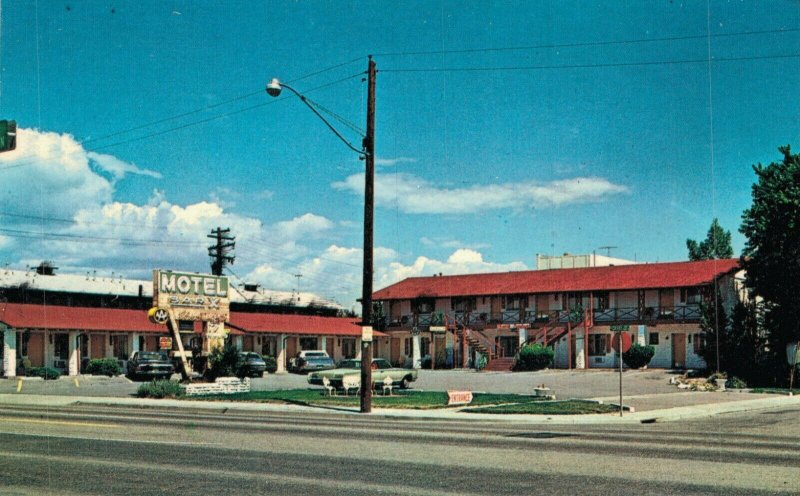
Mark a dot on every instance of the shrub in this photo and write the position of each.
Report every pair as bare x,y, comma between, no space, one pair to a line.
104,366
735,383
272,364
533,357
638,356
482,361
43,372
160,389
225,362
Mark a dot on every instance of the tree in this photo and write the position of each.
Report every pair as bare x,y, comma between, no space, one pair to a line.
714,326
772,251
717,244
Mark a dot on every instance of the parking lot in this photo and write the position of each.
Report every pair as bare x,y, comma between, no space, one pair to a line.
566,383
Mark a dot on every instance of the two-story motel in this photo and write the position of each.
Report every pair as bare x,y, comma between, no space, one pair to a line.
572,310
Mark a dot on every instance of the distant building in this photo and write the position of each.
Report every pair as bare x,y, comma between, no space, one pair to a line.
570,309
567,261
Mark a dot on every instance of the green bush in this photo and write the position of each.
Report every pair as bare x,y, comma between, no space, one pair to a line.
735,383
104,366
441,360
272,364
638,356
43,372
160,389
533,357
225,362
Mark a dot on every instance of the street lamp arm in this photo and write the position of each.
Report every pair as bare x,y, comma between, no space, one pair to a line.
327,123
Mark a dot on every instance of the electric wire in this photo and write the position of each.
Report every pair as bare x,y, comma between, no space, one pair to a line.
588,43
213,106
703,60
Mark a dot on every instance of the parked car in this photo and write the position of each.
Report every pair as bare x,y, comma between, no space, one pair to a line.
381,369
254,363
310,360
150,364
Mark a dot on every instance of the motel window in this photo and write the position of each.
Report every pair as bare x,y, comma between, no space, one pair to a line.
407,347
463,303
423,305
348,347
598,344
691,295
119,343
699,342
514,302
601,301
22,343
654,338
308,343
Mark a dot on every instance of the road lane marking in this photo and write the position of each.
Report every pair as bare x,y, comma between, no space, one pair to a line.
57,422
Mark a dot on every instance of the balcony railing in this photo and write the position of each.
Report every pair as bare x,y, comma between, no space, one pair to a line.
477,319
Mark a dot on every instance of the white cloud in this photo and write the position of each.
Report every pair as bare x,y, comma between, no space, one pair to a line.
393,161
118,168
417,196
451,243
462,261
304,225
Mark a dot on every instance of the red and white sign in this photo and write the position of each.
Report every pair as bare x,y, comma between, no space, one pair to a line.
626,341
459,397
165,343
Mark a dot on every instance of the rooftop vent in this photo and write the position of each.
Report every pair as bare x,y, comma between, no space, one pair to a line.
46,268
251,287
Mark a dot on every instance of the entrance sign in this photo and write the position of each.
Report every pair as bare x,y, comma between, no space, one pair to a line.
459,397
191,296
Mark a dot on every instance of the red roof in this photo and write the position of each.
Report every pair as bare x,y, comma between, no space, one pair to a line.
297,324
620,277
25,316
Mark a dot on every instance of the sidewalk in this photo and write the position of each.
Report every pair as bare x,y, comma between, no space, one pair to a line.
664,413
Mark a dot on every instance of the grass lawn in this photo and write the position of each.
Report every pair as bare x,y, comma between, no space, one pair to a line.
775,390
569,407
401,399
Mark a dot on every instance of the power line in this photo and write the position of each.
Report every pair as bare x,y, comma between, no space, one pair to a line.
587,43
213,106
594,66
195,123
20,233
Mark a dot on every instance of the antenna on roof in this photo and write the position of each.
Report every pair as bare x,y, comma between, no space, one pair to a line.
608,249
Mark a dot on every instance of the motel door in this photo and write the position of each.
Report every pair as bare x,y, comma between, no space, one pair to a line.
395,351
97,346
679,351
497,308
329,346
36,349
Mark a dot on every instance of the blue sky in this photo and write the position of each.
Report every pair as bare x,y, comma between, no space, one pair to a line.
479,170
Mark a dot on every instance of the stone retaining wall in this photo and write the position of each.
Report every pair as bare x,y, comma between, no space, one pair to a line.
222,385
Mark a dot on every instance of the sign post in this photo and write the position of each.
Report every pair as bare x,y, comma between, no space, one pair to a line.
621,343
182,296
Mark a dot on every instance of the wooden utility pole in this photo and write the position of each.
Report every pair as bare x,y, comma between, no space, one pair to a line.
369,199
220,251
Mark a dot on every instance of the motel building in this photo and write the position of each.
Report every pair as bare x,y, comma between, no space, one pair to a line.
462,318
62,320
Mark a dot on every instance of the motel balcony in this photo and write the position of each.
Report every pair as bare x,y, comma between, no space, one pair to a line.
534,319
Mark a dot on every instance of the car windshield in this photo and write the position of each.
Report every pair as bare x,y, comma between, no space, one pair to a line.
152,355
251,356
318,354
350,364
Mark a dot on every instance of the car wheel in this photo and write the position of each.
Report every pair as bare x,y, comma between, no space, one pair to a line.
261,374
405,383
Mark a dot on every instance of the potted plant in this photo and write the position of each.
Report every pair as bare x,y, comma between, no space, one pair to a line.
542,390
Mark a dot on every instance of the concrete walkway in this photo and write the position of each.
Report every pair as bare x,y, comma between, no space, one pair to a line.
714,405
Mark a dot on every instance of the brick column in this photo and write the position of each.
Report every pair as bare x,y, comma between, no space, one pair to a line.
73,365
281,354
9,353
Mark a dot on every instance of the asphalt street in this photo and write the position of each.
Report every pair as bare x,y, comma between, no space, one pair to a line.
97,450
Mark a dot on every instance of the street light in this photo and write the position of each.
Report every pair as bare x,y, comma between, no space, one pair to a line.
367,152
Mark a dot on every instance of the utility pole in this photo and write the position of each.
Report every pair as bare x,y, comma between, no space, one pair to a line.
369,199
220,252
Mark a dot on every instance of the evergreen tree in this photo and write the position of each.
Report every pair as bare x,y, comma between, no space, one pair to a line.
717,244
772,251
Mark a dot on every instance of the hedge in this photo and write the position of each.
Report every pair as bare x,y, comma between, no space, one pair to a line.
104,366
638,356
533,357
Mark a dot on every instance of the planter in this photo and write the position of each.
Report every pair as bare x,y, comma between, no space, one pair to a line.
222,385
545,391
720,383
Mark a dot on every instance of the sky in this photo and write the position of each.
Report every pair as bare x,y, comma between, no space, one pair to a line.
503,130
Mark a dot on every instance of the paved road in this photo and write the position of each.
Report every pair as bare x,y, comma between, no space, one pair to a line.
108,451
567,384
